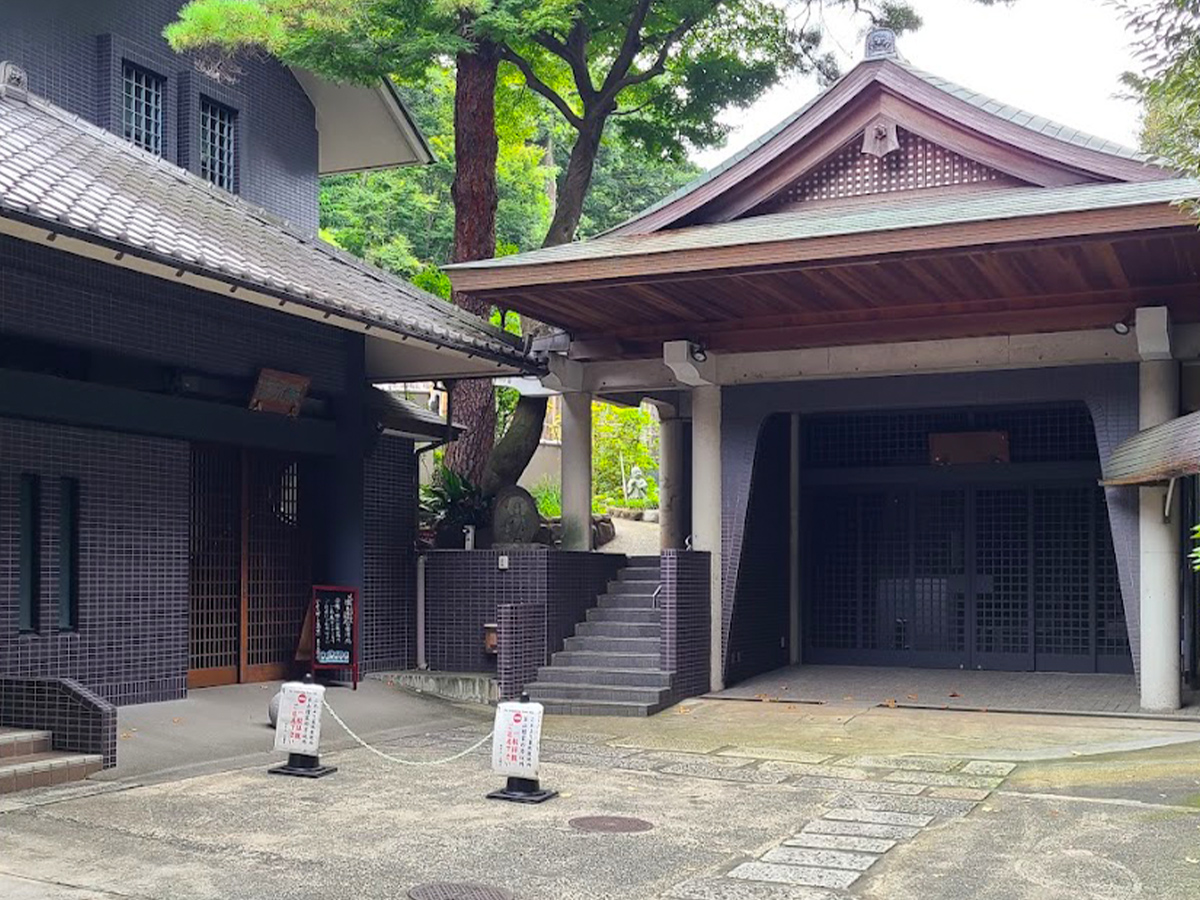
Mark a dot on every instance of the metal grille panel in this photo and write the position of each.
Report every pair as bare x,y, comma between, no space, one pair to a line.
1112,638
278,566
1063,585
939,613
143,108
835,566
1002,596
885,604
218,144
215,559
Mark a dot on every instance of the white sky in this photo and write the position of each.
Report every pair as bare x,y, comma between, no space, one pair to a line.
1061,59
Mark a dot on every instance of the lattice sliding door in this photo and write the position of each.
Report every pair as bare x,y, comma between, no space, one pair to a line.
215,566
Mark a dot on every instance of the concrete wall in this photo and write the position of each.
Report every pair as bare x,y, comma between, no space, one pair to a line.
72,51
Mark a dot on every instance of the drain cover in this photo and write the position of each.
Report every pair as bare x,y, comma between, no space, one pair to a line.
451,890
610,824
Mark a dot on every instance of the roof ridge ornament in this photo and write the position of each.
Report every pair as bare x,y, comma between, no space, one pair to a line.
881,44
13,81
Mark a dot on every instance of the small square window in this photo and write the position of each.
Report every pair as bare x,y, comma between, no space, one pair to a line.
218,144
144,114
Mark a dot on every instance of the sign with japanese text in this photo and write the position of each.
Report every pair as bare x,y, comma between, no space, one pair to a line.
517,739
335,629
298,727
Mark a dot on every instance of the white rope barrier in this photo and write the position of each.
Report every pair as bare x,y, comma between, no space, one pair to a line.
398,760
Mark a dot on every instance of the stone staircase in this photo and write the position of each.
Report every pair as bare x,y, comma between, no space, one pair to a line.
28,760
611,667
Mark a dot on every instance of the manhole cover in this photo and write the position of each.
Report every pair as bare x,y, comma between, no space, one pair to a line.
610,824
451,890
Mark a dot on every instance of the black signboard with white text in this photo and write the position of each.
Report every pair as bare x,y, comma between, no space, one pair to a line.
335,629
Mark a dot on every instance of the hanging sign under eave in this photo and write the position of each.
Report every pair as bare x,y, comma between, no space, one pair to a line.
1156,455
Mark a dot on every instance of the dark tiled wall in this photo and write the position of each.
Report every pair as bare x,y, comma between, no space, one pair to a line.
131,643
464,587
1110,392
521,636
686,609
389,616
81,721
55,296
60,44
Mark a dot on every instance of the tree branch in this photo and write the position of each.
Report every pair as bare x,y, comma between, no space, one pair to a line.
630,45
540,86
660,61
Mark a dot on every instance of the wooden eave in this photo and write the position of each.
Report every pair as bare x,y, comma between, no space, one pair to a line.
882,87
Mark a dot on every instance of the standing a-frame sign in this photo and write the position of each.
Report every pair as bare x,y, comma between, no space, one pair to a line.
335,629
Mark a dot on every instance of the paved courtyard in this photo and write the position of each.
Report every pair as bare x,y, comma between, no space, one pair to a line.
1107,695
744,801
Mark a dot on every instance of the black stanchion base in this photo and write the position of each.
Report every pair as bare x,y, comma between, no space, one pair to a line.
523,790
302,767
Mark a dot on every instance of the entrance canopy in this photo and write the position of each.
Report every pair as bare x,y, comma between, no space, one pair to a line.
1158,454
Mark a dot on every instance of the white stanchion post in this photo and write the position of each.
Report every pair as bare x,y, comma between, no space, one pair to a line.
298,729
516,752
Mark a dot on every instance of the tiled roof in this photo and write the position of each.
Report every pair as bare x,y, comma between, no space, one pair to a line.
70,176
917,212
1003,111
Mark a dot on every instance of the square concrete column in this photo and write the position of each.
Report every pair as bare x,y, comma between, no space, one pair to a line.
706,510
673,526
577,471
1161,553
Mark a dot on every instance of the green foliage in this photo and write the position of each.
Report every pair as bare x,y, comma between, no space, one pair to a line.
449,503
622,437
626,180
548,495
1194,556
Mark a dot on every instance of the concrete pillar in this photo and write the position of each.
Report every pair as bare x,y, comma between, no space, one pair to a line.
347,528
794,541
673,526
577,471
706,509
1161,552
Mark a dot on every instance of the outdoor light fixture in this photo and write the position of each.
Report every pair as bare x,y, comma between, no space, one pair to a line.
697,353
1121,327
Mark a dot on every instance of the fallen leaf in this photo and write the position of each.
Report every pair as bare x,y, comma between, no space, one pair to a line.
890,703
955,694
177,720
912,696
847,698
1191,860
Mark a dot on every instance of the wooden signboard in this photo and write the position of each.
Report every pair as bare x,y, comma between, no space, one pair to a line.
335,629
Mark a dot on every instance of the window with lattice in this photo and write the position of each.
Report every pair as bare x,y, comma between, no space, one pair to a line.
143,96
218,144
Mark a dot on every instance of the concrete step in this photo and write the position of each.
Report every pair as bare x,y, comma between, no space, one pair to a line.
626,601
637,588
600,708
617,629
613,644
24,741
644,561
558,692
20,773
605,660
648,678
622,614
639,574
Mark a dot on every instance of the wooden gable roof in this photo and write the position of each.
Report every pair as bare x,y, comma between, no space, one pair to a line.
944,138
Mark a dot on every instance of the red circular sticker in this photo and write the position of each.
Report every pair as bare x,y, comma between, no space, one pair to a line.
303,698
516,718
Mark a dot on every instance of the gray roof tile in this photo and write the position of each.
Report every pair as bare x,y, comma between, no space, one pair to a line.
71,175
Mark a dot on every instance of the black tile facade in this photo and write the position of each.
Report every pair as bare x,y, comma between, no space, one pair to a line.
521,639
1110,393
464,588
72,52
389,592
80,721
686,609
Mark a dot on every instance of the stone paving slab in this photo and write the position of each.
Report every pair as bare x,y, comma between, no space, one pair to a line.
799,875
870,787
892,803
722,773
907,763
635,764
861,829
821,858
878,817
975,795
821,771
664,757
984,767
840,842
730,889
672,742
778,754
941,779
558,746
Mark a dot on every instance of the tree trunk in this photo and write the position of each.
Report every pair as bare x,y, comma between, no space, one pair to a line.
474,191
512,455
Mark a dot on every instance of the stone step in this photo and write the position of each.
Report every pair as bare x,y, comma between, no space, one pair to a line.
637,588
623,614
640,561
20,773
613,644
605,660
626,601
639,573
23,742
599,708
617,629
558,692
649,678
